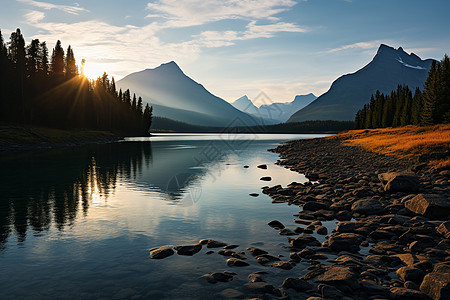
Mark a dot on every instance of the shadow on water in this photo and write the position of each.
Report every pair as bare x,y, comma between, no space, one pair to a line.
42,189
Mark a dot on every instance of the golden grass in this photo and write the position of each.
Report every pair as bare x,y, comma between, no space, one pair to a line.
402,142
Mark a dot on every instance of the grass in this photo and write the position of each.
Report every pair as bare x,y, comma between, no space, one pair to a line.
403,142
23,135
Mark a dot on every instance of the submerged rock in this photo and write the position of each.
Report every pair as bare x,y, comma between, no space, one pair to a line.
216,277
276,224
188,250
212,243
235,262
161,252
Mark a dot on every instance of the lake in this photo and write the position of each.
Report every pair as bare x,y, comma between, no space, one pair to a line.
79,222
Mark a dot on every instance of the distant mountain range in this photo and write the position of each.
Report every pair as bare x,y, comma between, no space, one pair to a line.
389,68
277,112
176,96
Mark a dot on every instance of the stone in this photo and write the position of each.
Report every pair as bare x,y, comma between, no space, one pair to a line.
286,231
303,241
410,273
262,167
265,258
257,276
261,288
367,207
345,242
285,265
297,284
212,243
429,205
231,293
314,206
437,283
411,285
254,194
399,293
235,262
256,251
342,278
266,178
161,252
216,277
399,182
276,224
188,250
322,230
346,226
329,292
444,229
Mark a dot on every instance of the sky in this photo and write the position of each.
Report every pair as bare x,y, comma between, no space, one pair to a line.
281,48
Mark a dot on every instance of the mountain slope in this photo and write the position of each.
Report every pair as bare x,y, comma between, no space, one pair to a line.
275,112
174,95
389,68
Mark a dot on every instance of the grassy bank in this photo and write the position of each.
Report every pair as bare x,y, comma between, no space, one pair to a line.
18,137
403,142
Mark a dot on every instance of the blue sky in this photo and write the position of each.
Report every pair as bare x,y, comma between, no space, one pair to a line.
235,47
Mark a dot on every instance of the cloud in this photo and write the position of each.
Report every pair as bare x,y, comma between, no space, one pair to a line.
197,12
34,16
74,10
360,45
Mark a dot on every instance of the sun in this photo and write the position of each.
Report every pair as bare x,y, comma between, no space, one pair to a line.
91,70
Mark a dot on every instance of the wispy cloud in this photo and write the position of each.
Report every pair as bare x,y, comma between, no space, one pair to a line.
359,45
34,16
74,10
197,12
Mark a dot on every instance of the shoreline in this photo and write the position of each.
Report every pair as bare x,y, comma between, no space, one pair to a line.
381,205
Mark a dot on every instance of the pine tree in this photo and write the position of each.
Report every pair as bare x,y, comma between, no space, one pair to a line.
442,113
33,58
429,95
416,107
70,64
139,105
134,103
57,64
43,59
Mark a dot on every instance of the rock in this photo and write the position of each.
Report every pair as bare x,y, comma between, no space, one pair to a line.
329,292
257,276
212,243
231,293
254,194
437,283
367,207
399,293
429,205
285,265
235,262
266,178
346,226
276,224
342,278
444,229
256,251
314,206
410,273
222,277
345,242
261,288
209,252
230,246
262,167
303,241
188,250
321,230
411,285
226,252
161,252
371,289
399,182
286,231
246,167
297,284
265,258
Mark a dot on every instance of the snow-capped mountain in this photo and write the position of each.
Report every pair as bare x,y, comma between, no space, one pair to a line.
389,68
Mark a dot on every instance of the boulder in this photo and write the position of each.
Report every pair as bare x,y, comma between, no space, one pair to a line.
256,251
399,182
367,207
161,252
265,258
444,229
276,224
297,284
188,250
235,262
437,283
285,265
410,273
257,276
399,293
212,243
429,205
345,242
303,241
314,206
342,278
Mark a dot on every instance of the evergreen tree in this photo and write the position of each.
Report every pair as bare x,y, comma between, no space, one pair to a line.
429,95
33,58
416,107
442,113
134,103
57,63
70,64
43,59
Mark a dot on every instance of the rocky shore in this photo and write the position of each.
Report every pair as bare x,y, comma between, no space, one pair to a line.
391,241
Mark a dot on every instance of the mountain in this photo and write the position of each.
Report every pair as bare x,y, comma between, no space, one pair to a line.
176,96
276,112
389,68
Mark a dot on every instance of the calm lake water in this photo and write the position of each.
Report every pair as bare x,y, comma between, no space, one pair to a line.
78,223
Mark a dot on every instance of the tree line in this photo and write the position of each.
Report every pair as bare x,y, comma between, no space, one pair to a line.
401,107
43,90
